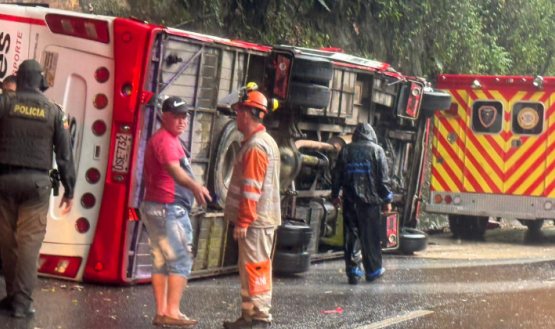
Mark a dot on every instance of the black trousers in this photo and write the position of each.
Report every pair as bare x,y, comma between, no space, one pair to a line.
361,227
24,196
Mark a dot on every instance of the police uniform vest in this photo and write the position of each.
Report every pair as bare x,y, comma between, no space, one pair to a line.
268,208
27,130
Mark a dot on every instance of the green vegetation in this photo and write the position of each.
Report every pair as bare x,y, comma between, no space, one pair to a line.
420,37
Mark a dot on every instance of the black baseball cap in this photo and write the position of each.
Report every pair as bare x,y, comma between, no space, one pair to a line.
175,105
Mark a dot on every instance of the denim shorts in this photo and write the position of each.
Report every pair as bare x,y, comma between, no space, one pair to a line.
170,236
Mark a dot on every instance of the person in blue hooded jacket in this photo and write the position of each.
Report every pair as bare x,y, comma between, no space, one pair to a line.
362,172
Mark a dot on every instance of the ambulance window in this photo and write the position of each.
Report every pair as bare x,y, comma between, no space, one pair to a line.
487,117
528,118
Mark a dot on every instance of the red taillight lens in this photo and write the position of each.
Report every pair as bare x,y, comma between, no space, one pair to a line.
100,101
98,267
102,74
59,265
79,27
99,128
414,100
82,225
282,65
448,199
93,175
88,200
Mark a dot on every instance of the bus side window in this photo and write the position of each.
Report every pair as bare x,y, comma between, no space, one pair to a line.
487,117
528,118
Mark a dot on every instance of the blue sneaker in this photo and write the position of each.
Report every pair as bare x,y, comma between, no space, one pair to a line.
373,276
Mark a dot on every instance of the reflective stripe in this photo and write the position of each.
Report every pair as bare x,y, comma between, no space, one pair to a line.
252,196
359,171
359,164
252,182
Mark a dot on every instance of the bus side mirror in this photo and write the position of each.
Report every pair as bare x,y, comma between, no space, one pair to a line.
410,99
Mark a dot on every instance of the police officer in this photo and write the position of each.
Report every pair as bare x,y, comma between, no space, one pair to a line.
32,128
362,172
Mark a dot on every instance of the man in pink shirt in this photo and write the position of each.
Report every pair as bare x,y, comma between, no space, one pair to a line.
170,192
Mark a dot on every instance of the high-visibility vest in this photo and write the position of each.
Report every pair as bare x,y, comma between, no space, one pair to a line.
263,190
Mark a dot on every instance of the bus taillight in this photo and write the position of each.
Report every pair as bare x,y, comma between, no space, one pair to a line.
102,74
100,101
93,175
79,27
88,200
99,127
59,265
82,225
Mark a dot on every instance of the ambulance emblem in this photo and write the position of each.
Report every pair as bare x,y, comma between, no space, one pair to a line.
487,115
528,118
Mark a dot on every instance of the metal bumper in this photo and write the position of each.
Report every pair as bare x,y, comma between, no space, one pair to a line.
495,205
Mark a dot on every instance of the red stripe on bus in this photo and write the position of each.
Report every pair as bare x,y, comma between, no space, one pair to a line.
19,19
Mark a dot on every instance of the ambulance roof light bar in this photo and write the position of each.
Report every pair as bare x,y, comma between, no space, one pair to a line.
538,82
80,27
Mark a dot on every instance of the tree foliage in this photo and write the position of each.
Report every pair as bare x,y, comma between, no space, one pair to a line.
420,37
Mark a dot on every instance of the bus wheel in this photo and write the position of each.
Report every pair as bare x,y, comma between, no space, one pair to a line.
412,240
309,95
226,152
291,262
533,225
293,235
468,227
313,70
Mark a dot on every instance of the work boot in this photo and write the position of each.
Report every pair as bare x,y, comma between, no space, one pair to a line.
373,276
6,303
23,312
354,280
354,276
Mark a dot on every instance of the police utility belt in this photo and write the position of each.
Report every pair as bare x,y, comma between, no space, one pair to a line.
54,174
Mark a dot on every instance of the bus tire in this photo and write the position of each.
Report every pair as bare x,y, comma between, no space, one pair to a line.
309,95
290,262
533,225
412,240
312,70
293,236
435,100
226,152
468,227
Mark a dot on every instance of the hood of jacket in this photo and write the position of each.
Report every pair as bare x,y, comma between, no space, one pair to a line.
365,132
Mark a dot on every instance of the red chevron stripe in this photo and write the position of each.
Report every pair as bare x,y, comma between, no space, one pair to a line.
440,180
471,179
539,161
550,188
525,156
540,179
455,159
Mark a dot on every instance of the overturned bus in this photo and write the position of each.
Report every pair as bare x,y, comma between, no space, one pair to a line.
111,74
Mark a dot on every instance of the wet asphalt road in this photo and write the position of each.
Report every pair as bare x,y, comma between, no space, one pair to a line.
429,290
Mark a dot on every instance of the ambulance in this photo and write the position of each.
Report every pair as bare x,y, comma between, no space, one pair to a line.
493,152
